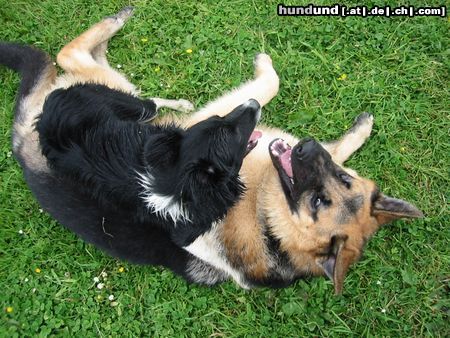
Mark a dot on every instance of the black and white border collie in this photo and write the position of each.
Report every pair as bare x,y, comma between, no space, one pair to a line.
139,191
180,180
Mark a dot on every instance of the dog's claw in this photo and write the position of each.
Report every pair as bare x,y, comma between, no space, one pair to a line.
361,118
262,63
124,14
185,106
363,124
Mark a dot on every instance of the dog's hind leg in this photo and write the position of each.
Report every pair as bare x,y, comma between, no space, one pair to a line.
262,88
85,58
99,53
353,139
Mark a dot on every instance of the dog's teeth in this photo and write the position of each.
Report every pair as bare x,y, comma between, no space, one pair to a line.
275,153
292,181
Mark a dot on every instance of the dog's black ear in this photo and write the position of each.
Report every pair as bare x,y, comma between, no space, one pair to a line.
337,263
162,150
387,209
205,173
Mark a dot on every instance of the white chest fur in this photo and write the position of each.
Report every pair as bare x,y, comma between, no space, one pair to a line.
208,248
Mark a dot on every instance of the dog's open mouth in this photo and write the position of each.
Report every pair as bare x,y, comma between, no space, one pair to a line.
280,152
253,141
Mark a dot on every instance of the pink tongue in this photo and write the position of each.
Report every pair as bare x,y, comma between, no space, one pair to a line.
285,160
255,135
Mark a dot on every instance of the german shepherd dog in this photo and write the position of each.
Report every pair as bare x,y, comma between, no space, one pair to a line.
302,214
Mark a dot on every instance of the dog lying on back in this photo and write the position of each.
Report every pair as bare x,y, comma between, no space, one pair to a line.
303,213
97,165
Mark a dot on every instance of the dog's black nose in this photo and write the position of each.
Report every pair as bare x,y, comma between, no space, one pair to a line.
305,147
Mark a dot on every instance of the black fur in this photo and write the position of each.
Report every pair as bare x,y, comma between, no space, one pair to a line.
91,137
95,143
112,231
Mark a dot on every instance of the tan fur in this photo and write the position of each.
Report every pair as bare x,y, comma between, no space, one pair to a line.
242,235
24,128
76,58
305,241
242,232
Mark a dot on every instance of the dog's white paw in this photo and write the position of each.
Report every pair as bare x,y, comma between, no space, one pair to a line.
184,105
263,63
363,125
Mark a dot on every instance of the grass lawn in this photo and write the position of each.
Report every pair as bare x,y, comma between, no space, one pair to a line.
395,68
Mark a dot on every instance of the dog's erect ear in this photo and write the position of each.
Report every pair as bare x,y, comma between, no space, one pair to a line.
162,150
387,209
336,264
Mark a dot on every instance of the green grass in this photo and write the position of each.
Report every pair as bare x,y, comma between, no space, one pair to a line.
396,68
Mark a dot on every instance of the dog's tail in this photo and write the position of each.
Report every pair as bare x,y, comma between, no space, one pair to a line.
38,73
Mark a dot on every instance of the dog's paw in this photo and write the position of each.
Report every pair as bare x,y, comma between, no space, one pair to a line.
262,58
262,63
184,106
124,14
363,124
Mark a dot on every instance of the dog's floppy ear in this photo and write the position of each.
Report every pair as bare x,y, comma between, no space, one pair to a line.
336,264
387,209
162,150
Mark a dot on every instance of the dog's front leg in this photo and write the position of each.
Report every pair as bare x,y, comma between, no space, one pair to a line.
181,105
353,139
262,88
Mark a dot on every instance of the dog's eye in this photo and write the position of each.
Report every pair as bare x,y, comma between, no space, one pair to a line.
316,202
346,180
